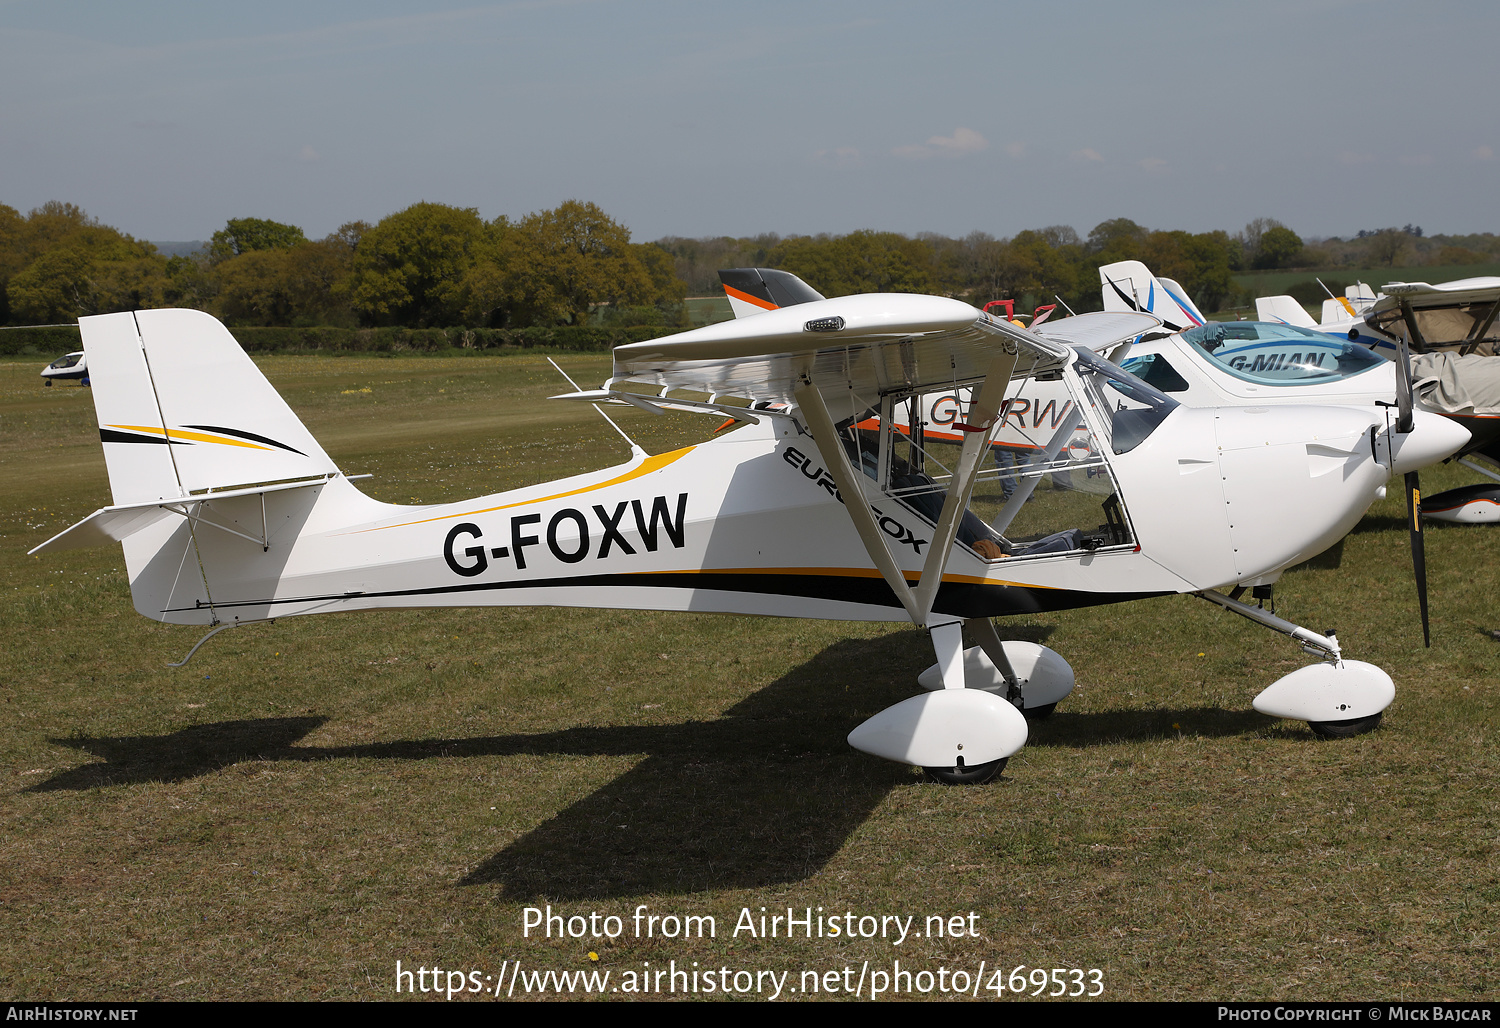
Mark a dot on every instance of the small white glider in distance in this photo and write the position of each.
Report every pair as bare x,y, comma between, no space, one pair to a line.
230,512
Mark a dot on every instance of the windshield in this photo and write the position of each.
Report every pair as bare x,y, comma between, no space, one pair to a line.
1273,354
1130,407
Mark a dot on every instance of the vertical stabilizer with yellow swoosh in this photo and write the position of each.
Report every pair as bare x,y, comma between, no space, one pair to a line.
182,409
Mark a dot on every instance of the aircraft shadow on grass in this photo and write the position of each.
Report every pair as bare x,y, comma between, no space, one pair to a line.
764,795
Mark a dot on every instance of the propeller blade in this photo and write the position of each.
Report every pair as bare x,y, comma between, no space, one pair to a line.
1403,368
1418,548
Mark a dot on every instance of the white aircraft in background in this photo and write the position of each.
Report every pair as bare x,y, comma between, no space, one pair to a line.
1457,316
1275,361
230,512
1340,314
71,367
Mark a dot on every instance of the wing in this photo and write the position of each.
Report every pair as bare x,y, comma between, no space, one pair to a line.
1449,314
864,345
838,359
1101,331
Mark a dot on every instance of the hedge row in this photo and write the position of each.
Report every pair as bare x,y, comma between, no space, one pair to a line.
585,338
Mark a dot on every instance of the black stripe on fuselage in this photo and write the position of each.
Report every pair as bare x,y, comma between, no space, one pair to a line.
959,599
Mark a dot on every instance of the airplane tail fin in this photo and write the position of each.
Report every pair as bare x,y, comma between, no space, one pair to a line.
1130,286
182,409
212,474
1283,309
754,291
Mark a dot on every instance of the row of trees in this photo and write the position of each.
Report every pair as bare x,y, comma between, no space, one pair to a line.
428,265
1033,265
432,265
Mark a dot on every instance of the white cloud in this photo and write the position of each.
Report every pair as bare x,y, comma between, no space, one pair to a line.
1484,153
1016,149
1353,157
309,155
1152,163
964,141
1087,154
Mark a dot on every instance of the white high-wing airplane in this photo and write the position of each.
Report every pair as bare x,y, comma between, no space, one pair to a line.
230,512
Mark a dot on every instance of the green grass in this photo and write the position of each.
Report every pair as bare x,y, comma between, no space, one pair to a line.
707,310
307,803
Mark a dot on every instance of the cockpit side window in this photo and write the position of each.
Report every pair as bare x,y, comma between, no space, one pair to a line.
1130,407
1044,489
1153,369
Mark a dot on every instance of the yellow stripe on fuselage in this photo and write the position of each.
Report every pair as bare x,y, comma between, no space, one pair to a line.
647,466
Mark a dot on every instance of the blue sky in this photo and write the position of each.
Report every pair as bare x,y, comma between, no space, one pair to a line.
166,119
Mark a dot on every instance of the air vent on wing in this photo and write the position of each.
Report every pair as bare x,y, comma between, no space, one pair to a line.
824,325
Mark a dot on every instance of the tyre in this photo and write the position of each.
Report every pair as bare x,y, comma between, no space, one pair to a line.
1345,729
976,775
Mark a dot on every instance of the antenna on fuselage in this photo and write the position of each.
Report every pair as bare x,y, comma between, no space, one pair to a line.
635,450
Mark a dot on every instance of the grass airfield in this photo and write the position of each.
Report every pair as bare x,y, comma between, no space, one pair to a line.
307,803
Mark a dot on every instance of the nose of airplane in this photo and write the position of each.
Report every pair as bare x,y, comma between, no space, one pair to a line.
1432,438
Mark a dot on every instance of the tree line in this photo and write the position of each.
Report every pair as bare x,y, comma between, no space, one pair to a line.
433,265
430,265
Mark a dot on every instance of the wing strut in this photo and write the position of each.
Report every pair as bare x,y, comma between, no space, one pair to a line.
827,437
982,415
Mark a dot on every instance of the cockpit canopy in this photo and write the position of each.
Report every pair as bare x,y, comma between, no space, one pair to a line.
1268,353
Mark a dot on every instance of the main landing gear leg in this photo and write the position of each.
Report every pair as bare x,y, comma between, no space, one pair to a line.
1031,676
1338,698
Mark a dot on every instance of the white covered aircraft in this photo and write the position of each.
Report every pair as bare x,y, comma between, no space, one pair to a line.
230,512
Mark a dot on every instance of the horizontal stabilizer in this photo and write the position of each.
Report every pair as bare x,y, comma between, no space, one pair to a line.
115,524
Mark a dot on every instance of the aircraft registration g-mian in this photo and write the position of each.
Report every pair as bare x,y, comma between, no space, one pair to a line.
230,512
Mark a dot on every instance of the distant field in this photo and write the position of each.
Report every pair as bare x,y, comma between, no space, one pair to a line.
708,310
307,803
1274,283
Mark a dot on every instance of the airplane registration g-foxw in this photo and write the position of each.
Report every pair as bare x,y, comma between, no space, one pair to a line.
230,512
